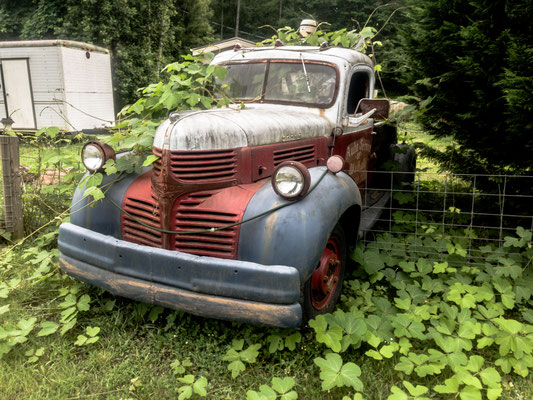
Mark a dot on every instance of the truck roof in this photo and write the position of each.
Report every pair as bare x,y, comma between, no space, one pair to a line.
335,55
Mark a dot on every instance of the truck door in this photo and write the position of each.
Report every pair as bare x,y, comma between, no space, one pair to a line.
355,144
17,92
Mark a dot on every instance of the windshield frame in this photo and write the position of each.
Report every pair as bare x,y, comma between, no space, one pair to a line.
269,61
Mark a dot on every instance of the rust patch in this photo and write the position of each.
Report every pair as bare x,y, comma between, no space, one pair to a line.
180,299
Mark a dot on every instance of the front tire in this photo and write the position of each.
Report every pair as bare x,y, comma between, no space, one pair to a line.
322,290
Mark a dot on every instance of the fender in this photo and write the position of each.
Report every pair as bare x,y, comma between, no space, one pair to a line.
296,235
102,216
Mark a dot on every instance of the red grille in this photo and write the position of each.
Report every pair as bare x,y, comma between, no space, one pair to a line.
204,166
192,215
146,211
156,165
302,154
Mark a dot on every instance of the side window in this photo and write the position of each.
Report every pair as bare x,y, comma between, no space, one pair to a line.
359,86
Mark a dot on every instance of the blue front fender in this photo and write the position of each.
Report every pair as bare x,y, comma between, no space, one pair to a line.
296,235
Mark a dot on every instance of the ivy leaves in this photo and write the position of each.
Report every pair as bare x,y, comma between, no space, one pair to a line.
435,317
334,373
237,356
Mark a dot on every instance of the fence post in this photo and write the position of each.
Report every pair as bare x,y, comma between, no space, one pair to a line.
9,148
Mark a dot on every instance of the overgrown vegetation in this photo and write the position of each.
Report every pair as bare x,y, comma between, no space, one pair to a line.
408,326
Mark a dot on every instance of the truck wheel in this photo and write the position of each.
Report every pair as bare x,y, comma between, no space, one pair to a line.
323,288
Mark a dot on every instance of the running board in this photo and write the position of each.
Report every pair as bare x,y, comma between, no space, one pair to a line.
371,214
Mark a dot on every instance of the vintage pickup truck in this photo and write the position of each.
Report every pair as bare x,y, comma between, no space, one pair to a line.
249,212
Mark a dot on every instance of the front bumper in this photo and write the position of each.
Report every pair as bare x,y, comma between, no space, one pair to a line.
212,287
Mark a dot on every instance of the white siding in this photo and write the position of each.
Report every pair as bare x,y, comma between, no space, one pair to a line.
88,89
46,82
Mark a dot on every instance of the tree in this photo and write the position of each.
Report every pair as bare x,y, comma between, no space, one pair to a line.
473,58
142,35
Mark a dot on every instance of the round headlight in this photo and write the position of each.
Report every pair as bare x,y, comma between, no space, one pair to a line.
95,154
291,180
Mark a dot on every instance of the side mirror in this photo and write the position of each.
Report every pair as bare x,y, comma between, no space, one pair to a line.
382,107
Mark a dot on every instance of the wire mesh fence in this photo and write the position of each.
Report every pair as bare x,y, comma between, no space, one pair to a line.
430,214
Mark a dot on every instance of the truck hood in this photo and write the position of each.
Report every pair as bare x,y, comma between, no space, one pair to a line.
229,128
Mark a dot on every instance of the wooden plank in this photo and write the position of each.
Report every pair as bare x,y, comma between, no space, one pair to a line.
9,149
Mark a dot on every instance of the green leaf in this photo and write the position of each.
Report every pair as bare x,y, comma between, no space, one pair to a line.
236,367
403,304
374,354
439,268
26,325
155,312
329,369
47,328
92,331
185,392
494,393
405,365
451,386
350,373
470,393
199,387
291,340
283,385
397,394
4,309
415,391
150,160
276,343
68,326
83,303
490,377
81,340
187,379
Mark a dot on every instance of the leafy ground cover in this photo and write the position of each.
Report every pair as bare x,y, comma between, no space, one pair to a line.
407,328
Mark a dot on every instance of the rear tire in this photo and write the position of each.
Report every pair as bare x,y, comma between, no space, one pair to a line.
323,288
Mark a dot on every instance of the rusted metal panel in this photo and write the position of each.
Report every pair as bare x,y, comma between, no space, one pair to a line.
220,129
296,235
280,315
276,284
382,107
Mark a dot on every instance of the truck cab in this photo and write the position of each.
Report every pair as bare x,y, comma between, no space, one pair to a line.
249,212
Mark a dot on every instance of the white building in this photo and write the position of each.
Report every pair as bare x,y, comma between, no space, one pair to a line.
55,83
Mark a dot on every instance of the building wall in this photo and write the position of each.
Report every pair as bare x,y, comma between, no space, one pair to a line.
88,88
47,85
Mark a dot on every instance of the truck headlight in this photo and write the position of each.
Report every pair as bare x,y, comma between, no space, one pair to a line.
291,180
95,154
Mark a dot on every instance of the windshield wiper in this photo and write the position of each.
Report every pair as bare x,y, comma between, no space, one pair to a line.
305,73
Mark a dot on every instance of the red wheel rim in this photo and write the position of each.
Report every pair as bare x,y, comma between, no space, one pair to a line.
325,279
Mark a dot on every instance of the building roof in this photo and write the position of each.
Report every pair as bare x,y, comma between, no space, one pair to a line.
54,42
223,45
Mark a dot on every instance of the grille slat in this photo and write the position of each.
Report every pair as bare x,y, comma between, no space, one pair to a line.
200,166
193,215
302,154
145,211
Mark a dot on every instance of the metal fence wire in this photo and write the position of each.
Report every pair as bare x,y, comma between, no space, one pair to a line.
427,213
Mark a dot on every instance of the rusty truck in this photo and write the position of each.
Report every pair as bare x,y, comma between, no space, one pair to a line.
249,212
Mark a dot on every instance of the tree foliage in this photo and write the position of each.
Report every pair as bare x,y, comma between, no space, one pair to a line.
142,36
473,59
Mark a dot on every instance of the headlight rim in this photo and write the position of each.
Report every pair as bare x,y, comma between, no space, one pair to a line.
304,172
106,153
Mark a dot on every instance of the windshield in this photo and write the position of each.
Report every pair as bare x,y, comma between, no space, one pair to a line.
283,82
